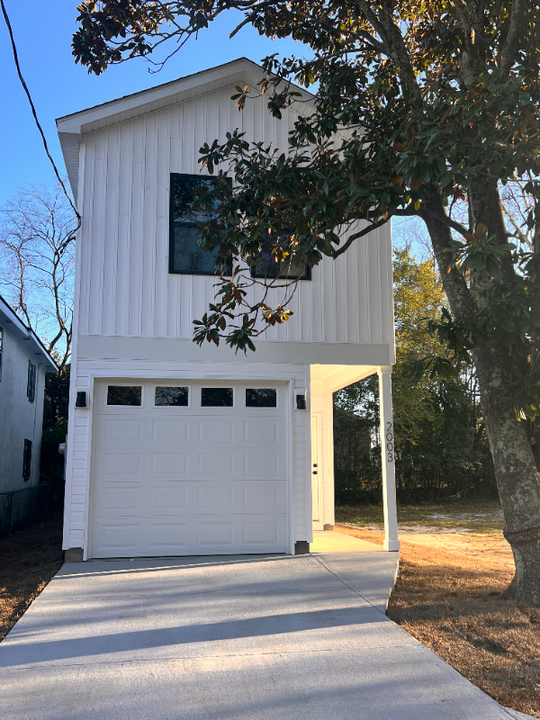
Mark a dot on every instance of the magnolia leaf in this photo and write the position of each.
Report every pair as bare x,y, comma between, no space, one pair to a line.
530,117
480,230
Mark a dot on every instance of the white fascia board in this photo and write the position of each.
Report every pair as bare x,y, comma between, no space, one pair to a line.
33,344
71,128
71,144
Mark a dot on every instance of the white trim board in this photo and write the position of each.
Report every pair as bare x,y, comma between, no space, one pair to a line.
100,347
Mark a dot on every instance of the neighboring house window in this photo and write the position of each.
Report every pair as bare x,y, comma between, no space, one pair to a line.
185,255
1,349
269,267
27,459
31,385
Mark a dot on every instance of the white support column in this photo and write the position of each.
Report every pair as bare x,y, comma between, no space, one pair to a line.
391,541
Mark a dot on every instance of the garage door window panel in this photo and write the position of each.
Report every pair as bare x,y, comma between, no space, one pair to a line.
172,396
217,397
124,395
261,398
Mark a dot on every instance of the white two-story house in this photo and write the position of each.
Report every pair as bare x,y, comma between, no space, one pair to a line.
175,449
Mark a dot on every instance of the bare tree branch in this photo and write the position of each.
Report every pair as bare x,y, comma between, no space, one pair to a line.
37,258
357,236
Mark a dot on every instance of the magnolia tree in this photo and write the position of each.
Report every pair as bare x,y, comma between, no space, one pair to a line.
434,104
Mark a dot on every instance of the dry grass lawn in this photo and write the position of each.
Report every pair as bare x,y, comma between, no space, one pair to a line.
450,599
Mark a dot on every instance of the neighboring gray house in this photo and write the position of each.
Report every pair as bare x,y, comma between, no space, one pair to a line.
23,364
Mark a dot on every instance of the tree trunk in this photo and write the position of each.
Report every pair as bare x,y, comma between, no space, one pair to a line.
516,471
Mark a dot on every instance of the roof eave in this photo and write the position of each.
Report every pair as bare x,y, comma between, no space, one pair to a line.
71,127
26,335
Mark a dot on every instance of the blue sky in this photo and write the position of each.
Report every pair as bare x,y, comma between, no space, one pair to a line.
58,86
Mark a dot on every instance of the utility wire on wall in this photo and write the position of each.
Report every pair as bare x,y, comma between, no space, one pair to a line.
38,124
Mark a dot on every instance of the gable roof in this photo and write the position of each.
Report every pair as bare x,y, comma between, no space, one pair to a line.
9,319
71,128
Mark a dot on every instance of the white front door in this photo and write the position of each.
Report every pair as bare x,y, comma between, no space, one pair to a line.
316,472
188,468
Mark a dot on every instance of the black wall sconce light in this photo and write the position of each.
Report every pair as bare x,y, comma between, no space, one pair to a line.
80,402
300,402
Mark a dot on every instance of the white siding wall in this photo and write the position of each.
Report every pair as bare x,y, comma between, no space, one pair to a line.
80,433
126,289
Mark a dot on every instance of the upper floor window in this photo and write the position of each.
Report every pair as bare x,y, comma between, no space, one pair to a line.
31,384
1,349
277,261
185,255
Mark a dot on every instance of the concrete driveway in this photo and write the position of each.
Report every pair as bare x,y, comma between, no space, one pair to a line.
246,637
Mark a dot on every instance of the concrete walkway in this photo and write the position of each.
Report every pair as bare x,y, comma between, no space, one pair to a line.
251,637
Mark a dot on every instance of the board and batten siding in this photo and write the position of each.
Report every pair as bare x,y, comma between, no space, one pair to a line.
126,289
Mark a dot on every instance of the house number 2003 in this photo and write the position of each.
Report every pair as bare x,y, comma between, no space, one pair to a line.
389,442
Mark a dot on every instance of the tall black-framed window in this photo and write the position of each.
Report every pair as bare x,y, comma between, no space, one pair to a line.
31,384
27,459
1,350
268,266
186,257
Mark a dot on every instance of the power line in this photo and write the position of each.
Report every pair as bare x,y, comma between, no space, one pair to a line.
34,113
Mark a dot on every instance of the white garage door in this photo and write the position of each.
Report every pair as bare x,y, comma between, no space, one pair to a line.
182,468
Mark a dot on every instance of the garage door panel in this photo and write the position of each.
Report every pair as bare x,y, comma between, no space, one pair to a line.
261,497
170,430
215,498
122,430
168,537
216,433
168,499
205,535
186,480
119,465
261,533
172,465
118,499
260,465
118,538
214,464
262,432
215,535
